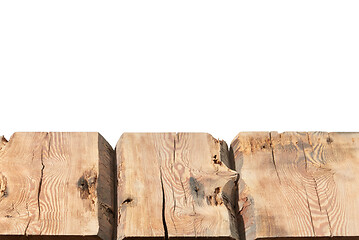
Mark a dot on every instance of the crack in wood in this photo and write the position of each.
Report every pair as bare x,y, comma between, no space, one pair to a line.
316,185
316,191
310,211
163,207
27,226
40,182
273,158
28,215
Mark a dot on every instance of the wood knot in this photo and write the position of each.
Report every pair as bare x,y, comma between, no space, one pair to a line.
197,190
87,185
3,186
329,140
216,198
216,160
127,200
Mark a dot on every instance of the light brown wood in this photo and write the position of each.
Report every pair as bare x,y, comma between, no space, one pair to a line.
56,185
298,184
174,185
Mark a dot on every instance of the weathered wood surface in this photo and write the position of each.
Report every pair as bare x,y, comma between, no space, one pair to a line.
174,185
298,184
289,185
56,186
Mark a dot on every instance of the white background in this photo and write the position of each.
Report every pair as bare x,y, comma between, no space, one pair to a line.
206,66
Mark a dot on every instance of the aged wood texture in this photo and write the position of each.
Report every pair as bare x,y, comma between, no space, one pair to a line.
56,186
174,185
298,184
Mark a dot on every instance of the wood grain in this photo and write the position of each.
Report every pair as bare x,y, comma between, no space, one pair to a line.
297,184
174,185
57,185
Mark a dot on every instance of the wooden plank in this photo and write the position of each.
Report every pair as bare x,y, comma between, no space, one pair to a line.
56,185
297,184
174,185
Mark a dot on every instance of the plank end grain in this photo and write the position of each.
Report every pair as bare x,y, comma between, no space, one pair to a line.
56,186
174,185
297,184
